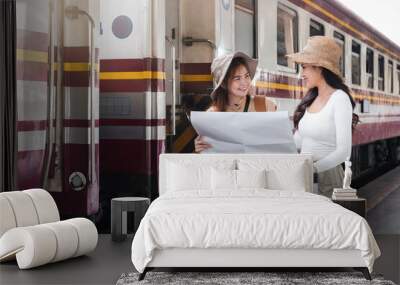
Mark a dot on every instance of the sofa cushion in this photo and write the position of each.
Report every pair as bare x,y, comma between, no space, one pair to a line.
26,208
23,208
7,218
45,205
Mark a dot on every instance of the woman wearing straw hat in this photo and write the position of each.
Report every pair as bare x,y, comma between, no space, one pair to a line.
324,119
233,74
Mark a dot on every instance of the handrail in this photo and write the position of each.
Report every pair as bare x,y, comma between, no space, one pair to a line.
73,12
188,41
92,156
50,106
173,109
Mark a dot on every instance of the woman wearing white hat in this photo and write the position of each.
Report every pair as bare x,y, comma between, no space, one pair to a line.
233,74
324,119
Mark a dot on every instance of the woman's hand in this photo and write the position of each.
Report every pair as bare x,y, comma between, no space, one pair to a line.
200,145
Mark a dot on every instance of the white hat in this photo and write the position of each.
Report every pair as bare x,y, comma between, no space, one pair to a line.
220,66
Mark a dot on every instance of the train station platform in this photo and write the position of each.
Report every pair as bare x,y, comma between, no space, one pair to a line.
383,202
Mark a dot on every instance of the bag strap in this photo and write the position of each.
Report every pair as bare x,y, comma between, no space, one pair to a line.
263,104
271,106
246,107
259,103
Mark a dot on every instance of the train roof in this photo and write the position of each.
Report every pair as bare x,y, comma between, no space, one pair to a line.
342,17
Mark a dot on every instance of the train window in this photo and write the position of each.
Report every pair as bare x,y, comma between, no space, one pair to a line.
246,4
370,68
398,77
341,41
355,63
286,35
381,73
390,76
245,27
316,29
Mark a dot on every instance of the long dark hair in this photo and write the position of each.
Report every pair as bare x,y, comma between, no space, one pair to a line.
334,81
220,99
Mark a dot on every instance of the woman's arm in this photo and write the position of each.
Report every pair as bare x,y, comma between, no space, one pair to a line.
343,113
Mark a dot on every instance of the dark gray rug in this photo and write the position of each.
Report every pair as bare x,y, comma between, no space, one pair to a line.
269,278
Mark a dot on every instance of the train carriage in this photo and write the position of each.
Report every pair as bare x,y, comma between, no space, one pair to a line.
154,59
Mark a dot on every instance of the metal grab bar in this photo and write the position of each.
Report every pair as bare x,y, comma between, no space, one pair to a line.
51,110
173,109
73,12
188,41
92,115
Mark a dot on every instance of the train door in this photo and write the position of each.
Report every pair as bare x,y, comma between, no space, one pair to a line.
57,102
191,23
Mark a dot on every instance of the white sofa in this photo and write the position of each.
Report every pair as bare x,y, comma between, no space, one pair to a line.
31,230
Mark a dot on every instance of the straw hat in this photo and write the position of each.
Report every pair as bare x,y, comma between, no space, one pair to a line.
220,66
320,51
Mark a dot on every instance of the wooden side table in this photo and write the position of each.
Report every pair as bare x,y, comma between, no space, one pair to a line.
358,206
119,208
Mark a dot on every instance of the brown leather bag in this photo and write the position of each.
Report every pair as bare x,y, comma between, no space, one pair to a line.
262,105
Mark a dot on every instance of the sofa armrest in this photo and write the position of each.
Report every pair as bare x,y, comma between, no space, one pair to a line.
40,244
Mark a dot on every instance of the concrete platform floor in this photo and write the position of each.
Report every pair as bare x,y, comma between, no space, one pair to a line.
379,189
385,217
383,203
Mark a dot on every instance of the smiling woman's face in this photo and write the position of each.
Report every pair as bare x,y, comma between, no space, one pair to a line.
239,81
311,75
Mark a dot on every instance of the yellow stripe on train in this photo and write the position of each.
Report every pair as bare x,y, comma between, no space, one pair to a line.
195,77
32,55
132,75
78,66
281,86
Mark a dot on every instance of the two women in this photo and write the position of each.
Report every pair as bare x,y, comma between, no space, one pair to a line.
324,118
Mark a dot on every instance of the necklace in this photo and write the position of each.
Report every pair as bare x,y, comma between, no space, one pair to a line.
237,106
